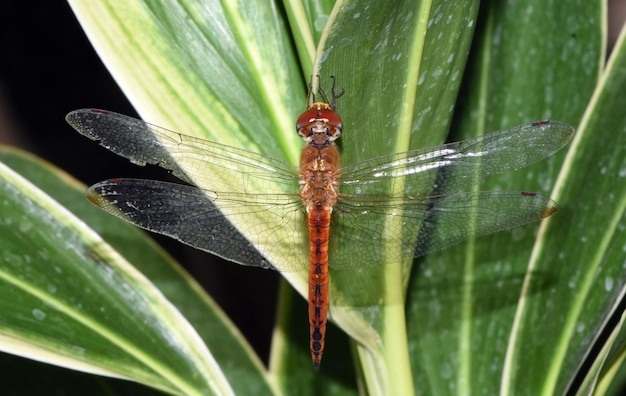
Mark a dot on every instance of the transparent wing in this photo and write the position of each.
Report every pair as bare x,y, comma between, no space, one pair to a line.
274,224
208,165
455,166
367,232
388,210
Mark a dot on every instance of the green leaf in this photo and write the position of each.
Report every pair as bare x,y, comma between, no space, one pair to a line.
494,309
587,241
18,373
512,313
223,71
291,358
67,301
307,20
77,284
400,72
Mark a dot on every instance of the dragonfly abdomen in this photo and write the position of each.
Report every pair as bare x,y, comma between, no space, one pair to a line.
319,194
319,225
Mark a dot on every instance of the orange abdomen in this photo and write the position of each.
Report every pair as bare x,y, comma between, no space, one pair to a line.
319,224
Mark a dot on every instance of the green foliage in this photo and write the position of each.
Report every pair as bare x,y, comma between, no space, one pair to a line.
519,312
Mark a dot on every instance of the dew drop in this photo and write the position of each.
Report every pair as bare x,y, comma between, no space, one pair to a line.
608,283
39,314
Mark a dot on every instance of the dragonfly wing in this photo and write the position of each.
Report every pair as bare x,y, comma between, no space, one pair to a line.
394,230
209,165
455,166
274,223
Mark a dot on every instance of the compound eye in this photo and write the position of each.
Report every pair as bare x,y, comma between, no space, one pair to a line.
332,119
320,114
306,118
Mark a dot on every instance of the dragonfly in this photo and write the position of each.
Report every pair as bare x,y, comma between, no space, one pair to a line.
251,208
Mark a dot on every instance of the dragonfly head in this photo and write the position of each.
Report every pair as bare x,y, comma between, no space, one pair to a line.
319,124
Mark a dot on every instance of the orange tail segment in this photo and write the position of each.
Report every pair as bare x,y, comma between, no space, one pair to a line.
319,223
